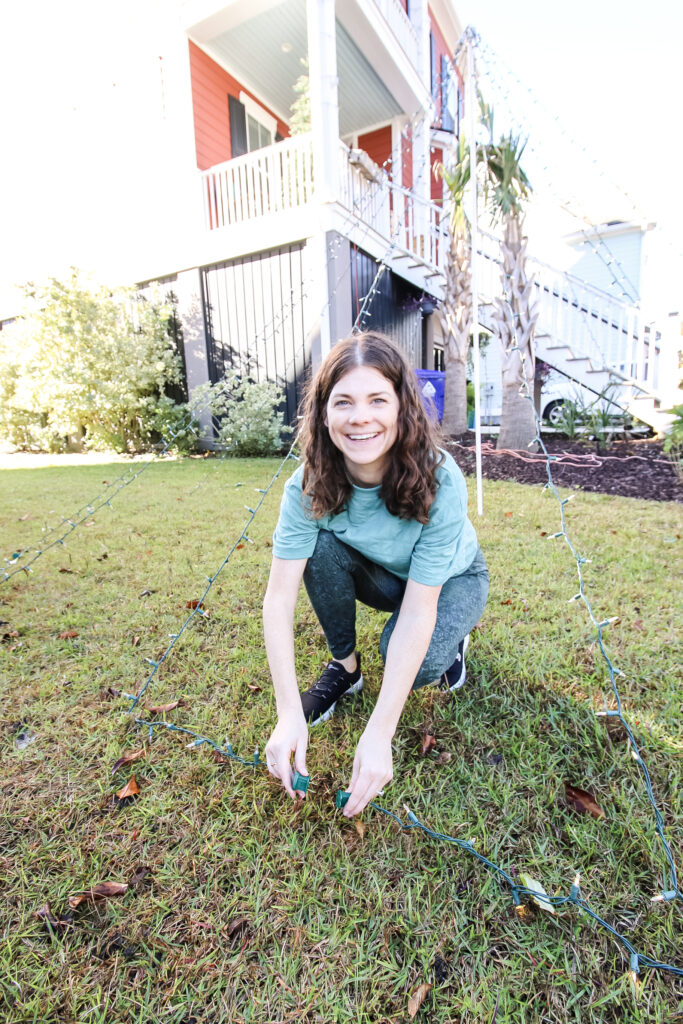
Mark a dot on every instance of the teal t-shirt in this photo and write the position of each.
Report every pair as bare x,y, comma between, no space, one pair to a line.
429,553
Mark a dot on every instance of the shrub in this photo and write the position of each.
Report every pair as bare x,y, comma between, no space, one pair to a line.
250,423
673,442
88,366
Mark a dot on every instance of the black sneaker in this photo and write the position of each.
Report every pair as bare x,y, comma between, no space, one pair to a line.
319,701
454,677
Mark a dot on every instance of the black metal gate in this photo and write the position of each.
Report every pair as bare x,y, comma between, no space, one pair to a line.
254,318
393,309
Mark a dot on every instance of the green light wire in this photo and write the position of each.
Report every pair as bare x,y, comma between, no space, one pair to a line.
637,959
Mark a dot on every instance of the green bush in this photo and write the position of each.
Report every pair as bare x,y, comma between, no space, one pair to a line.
88,366
673,442
250,423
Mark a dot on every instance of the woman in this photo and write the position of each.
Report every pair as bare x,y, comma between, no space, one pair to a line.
376,513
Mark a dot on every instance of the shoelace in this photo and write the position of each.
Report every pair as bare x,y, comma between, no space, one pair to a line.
328,680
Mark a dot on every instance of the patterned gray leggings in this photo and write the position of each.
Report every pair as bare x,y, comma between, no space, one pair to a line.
336,576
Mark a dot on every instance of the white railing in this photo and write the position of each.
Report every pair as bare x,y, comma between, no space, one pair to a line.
591,322
402,27
414,225
259,184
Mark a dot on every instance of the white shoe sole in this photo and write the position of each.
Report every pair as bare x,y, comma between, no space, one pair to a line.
356,688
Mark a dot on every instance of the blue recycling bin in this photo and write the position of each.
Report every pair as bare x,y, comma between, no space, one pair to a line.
432,384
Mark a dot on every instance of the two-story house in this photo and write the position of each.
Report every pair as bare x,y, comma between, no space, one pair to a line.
291,228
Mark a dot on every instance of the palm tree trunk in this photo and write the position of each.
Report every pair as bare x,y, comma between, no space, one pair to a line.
516,318
456,317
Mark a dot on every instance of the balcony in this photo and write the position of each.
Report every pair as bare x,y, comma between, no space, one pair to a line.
276,185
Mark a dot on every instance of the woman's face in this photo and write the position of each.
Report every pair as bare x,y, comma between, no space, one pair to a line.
362,418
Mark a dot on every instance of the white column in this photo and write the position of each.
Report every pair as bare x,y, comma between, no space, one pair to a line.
419,16
323,81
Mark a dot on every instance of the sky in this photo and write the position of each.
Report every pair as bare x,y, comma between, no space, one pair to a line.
610,73
73,134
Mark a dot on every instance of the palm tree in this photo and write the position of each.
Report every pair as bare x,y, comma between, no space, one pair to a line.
506,188
456,307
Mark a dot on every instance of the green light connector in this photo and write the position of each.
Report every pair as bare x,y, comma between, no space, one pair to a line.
300,782
341,799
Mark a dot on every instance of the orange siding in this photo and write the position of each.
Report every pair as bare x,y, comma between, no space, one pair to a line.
211,86
377,145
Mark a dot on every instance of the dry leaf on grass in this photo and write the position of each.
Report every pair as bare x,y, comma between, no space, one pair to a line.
131,788
140,875
428,743
582,801
443,757
160,709
101,891
45,914
63,568
418,997
127,757
68,634
537,892
135,641
360,828
192,604
240,924
22,519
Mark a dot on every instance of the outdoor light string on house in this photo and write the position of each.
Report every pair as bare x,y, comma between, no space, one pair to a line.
492,66
620,278
601,250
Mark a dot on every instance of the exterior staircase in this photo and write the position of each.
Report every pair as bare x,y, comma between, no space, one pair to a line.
591,337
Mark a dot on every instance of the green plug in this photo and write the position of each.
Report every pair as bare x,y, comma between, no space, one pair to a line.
341,799
301,782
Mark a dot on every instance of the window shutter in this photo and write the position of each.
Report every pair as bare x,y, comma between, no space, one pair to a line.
432,65
238,127
446,87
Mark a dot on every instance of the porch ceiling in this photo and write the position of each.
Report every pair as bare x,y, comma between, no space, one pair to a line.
252,51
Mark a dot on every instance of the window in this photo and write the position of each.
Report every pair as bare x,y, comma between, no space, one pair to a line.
251,127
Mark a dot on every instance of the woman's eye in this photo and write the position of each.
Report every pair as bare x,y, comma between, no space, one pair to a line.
380,400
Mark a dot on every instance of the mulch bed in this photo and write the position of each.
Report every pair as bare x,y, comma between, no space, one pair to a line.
629,468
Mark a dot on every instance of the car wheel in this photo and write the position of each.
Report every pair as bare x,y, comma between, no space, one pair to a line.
554,413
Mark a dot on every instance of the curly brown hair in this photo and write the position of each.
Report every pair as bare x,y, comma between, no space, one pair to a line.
409,483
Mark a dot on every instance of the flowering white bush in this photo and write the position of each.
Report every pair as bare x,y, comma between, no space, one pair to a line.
87,365
249,421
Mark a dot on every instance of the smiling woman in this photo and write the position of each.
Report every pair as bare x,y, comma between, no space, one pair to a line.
377,513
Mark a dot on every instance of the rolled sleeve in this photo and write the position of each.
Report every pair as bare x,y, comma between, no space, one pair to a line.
296,532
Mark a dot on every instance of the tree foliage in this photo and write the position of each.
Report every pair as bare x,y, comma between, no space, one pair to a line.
88,366
301,107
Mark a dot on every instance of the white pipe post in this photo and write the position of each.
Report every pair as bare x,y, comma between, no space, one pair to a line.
471,105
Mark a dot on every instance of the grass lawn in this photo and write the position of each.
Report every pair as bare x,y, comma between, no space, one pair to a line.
241,907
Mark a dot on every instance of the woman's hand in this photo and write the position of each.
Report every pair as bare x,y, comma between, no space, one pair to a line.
290,735
373,768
